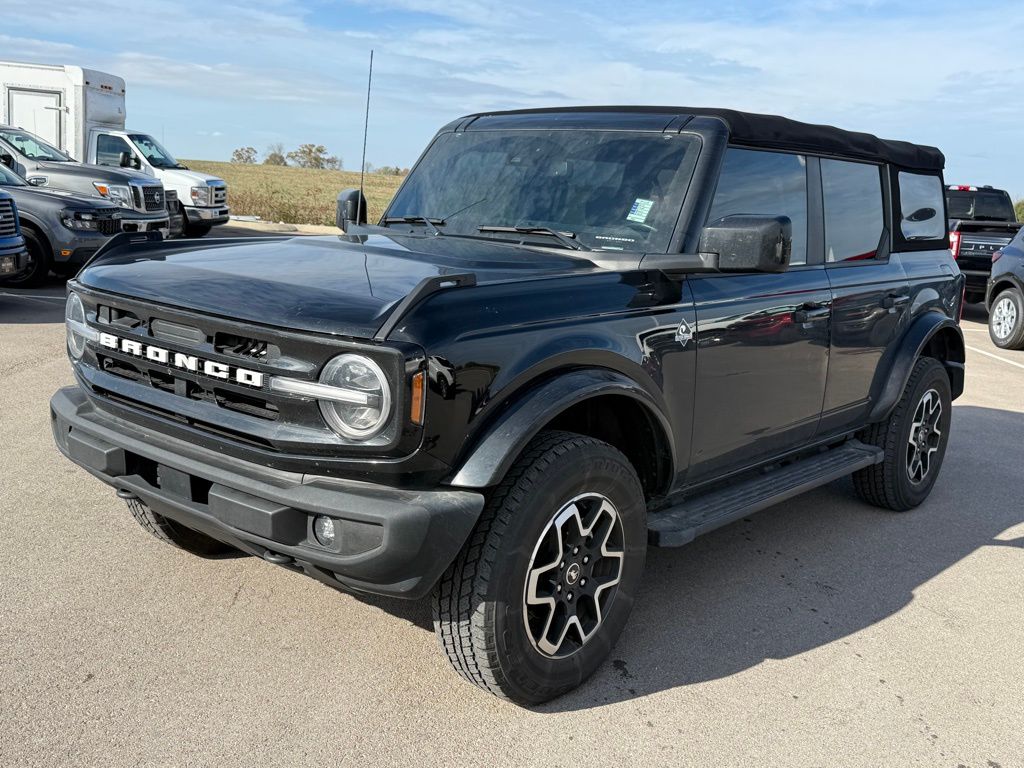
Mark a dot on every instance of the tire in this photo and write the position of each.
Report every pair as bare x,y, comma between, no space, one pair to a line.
175,534
1006,320
195,230
488,632
39,260
898,483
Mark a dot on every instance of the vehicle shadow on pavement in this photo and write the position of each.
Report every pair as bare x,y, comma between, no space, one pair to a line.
810,572
33,306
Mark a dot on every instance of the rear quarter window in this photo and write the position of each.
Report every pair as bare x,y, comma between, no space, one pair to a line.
922,207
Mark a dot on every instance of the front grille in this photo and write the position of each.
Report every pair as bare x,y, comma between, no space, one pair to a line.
153,198
108,226
218,195
8,219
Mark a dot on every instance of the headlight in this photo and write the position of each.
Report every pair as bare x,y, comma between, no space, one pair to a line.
201,195
74,320
79,220
115,193
360,375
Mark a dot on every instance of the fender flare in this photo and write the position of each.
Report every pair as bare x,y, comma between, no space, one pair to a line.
914,341
494,452
1006,277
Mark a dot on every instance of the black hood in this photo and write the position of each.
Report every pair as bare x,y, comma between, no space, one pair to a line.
340,285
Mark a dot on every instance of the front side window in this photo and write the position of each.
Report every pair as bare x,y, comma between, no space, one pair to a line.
759,183
109,149
854,218
613,190
32,147
921,206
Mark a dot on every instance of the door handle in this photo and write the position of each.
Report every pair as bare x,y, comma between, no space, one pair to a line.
894,300
811,311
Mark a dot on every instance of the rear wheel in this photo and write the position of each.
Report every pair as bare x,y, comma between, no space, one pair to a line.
541,591
38,263
1006,320
914,439
176,534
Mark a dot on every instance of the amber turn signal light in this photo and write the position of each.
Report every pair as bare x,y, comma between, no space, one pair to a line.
419,398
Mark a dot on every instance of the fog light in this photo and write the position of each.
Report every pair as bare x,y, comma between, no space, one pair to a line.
323,529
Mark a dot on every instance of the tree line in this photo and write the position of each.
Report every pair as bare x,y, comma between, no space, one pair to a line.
305,156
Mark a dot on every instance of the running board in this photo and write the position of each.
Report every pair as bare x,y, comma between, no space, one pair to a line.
682,523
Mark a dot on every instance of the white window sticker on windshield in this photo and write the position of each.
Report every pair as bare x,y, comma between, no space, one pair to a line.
640,210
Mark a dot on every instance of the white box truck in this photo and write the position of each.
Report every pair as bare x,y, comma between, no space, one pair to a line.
82,112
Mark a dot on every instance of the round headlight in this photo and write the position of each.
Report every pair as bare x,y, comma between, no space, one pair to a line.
74,314
359,421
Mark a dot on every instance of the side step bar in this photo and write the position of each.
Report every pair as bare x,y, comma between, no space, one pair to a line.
682,523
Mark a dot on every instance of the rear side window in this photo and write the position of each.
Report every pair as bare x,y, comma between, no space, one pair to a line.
764,184
921,207
854,219
109,149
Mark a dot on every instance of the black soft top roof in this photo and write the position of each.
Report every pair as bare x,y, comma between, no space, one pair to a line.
745,128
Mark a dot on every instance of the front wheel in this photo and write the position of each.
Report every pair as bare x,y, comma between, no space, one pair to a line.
538,596
38,266
175,534
1006,320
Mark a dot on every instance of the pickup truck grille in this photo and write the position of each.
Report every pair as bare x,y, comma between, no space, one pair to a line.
153,198
8,219
219,195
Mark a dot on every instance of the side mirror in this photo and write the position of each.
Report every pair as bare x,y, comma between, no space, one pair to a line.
7,159
37,181
128,160
749,243
351,210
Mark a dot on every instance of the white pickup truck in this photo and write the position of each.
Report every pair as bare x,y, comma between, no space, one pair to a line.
82,112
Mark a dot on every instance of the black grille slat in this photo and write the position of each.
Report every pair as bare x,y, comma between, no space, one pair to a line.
153,198
8,219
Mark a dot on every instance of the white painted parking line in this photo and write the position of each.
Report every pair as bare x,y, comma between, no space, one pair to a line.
973,330
996,357
32,298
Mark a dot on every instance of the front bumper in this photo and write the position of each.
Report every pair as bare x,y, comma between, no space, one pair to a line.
391,541
13,259
136,222
216,215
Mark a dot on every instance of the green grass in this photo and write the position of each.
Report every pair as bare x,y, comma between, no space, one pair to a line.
294,195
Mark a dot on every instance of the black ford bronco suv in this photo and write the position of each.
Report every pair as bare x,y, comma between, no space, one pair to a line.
574,333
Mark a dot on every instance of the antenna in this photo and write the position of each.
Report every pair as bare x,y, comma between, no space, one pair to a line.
366,130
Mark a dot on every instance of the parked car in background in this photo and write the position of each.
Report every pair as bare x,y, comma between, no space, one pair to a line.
574,332
82,112
141,199
1005,295
981,221
62,229
13,255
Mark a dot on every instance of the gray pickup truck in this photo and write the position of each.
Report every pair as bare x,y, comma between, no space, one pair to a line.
141,199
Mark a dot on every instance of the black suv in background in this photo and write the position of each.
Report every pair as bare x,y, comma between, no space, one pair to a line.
62,230
1005,295
981,221
573,333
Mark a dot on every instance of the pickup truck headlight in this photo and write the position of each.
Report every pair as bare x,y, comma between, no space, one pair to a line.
368,412
79,220
201,195
115,193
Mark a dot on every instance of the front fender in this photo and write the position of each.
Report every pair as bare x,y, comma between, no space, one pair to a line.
929,329
495,452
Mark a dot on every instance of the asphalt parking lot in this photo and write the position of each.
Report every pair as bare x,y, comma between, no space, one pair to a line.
821,632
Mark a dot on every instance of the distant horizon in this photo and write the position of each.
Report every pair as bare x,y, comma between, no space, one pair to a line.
206,79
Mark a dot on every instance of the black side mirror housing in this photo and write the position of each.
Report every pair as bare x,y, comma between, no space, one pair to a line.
7,159
128,160
351,210
749,243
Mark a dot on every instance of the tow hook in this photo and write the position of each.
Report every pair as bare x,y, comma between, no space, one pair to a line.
277,558
127,495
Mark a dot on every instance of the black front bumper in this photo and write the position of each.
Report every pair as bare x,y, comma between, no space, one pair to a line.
391,541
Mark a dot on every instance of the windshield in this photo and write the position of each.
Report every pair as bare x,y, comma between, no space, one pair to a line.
991,205
32,147
610,190
9,178
157,156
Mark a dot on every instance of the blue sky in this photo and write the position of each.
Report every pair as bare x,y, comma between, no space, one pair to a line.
211,76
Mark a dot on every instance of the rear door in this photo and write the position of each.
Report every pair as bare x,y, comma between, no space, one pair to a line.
870,290
762,339
38,112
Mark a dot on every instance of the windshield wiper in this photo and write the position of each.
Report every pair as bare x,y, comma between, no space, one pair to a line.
430,224
568,239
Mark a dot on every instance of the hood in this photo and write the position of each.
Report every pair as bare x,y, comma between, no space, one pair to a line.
345,285
30,198
95,172
187,176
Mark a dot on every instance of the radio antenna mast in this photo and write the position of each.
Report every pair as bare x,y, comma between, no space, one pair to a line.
366,130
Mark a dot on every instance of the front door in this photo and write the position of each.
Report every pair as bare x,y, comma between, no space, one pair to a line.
762,339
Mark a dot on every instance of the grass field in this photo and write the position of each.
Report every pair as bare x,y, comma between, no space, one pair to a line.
294,195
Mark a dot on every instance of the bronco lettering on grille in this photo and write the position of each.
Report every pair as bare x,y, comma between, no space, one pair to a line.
190,363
